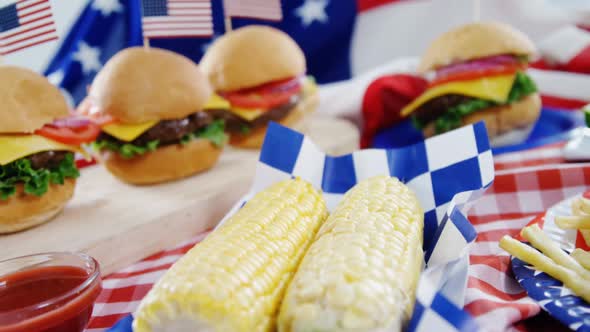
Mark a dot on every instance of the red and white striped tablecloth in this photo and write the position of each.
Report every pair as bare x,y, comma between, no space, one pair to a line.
526,184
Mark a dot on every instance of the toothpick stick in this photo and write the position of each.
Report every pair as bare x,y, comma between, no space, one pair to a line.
227,24
476,10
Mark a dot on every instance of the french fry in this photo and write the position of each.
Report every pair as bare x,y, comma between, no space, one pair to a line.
541,241
543,263
583,206
573,222
582,257
579,220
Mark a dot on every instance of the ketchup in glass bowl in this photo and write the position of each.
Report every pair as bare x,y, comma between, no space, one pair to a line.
48,292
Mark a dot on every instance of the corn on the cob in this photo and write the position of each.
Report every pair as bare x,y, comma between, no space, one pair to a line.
234,280
361,271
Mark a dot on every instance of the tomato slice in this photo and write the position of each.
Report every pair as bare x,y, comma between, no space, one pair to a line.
266,96
474,74
71,131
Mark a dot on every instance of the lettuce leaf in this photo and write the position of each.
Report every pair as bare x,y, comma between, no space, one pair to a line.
523,86
126,150
36,181
215,132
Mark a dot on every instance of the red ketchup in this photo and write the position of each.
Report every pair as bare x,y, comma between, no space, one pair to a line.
49,298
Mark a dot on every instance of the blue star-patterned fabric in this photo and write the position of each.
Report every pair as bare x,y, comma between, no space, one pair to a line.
323,29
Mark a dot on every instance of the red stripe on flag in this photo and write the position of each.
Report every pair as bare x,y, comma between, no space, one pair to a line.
563,103
495,236
364,5
32,4
480,307
188,15
48,8
30,37
266,19
36,19
500,263
27,30
491,290
29,45
204,34
154,30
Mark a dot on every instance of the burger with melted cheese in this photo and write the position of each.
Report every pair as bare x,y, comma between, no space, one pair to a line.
258,74
479,75
149,104
37,144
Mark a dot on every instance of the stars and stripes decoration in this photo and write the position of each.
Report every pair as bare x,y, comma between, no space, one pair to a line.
262,9
176,18
24,24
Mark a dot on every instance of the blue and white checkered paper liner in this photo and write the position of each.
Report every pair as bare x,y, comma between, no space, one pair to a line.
447,172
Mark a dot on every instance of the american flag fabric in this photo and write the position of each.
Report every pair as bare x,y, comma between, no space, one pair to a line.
176,18
24,24
525,186
261,9
567,49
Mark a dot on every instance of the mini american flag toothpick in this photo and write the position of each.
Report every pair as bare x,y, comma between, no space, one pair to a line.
262,9
176,18
26,23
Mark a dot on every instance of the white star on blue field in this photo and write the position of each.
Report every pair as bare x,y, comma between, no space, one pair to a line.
311,11
88,57
107,7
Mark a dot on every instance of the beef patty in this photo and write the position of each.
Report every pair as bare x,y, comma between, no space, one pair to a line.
436,107
47,159
168,132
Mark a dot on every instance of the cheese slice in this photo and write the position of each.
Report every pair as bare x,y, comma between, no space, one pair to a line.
216,102
13,147
127,132
248,113
496,88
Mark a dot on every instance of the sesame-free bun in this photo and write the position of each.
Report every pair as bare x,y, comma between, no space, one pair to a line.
297,119
503,119
475,40
149,84
22,211
28,101
251,56
164,164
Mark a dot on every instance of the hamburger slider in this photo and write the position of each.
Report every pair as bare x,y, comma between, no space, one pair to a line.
149,104
258,76
38,139
479,75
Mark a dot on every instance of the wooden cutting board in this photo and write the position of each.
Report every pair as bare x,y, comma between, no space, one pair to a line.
119,224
